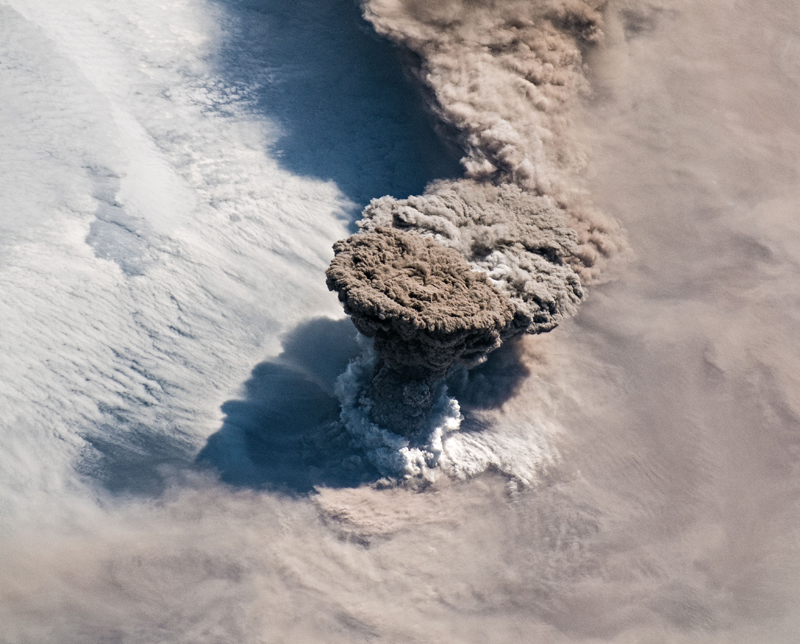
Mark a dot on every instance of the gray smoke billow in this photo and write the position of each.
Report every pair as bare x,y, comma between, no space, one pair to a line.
503,76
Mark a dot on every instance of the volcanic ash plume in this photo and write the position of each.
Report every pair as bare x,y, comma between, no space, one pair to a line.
445,277
504,75
519,240
425,309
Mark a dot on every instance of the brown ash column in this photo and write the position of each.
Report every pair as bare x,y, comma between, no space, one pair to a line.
425,309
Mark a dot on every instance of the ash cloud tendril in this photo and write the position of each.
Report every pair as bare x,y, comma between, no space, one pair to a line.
445,277
505,76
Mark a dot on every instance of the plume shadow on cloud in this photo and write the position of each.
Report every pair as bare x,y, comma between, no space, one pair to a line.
347,113
338,93
492,383
283,434
128,459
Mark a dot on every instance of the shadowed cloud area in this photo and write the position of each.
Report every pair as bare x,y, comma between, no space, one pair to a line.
284,433
337,91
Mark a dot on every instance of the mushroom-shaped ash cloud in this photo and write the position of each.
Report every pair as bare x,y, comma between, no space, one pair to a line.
426,310
444,277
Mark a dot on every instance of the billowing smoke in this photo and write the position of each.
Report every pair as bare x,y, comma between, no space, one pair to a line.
424,307
504,76
445,277
519,240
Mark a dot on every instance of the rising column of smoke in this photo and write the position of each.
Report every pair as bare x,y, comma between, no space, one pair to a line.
445,277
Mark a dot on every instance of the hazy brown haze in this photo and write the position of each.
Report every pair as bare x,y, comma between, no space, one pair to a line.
670,511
